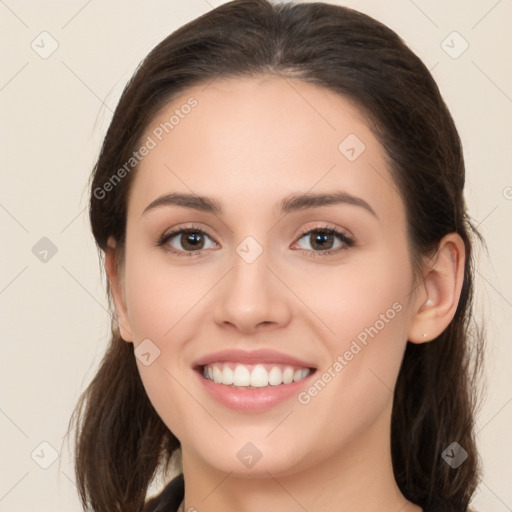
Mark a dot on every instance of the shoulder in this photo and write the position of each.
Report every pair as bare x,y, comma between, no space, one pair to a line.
169,499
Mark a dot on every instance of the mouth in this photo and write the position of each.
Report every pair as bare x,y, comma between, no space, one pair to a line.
253,376
252,381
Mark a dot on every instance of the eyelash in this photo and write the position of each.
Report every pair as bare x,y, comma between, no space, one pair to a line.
326,230
346,241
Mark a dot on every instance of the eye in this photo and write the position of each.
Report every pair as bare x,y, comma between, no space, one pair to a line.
324,240
190,241
186,240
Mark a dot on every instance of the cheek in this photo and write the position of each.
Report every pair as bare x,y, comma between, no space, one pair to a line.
163,303
160,297
160,301
366,308
363,299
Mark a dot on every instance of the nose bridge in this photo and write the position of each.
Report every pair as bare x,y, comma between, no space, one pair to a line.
250,294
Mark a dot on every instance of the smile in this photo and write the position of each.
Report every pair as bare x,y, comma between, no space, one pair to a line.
252,381
253,375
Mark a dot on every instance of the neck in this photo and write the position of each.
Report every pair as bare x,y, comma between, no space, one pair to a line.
357,478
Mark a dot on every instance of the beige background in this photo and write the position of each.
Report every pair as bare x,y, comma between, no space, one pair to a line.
54,112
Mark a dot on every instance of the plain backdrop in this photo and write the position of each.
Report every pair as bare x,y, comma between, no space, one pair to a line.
54,112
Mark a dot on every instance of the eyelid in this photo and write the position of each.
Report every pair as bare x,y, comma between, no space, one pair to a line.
186,227
326,226
168,235
346,238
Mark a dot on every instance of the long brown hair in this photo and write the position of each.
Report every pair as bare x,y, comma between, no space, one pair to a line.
120,440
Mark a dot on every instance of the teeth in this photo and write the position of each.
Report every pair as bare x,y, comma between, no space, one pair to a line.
288,375
241,377
300,374
256,376
217,374
227,375
275,376
259,377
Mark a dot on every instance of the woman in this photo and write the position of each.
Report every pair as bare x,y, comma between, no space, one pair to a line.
279,201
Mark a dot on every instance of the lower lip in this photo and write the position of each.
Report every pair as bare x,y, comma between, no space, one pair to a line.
253,400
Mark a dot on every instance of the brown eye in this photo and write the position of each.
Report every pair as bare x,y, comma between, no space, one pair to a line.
326,239
321,241
185,241
192,241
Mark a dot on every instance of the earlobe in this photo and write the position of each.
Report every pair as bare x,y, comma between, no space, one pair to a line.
442,283
116,289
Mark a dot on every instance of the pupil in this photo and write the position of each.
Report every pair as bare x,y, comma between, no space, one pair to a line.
323,241
191,240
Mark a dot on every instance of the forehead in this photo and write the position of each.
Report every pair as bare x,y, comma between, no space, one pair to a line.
255,140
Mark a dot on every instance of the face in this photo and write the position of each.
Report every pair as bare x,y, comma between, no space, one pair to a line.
266,242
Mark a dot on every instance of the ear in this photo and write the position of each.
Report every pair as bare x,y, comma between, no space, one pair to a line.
113,270
437,302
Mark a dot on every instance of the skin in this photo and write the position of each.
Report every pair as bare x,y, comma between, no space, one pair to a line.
249,144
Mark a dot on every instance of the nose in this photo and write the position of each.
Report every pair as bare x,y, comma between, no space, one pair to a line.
251,298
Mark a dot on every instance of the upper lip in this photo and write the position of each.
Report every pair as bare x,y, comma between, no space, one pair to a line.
263,356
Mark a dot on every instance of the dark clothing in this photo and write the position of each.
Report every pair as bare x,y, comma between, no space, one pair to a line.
170,498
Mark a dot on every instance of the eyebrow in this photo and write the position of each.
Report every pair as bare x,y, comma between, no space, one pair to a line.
308,200
201,203
296,202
